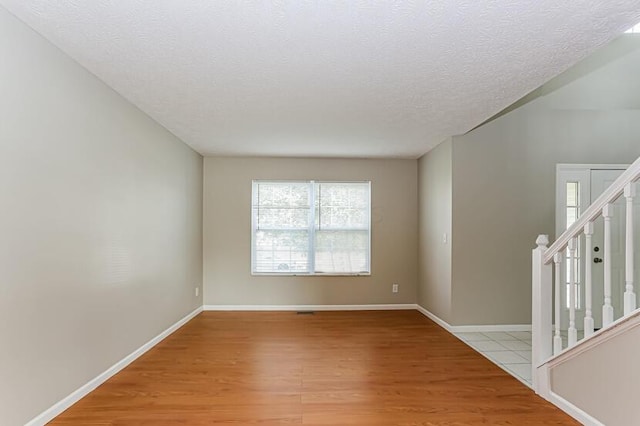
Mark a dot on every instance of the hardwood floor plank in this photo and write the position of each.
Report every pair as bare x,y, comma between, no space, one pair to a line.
332,368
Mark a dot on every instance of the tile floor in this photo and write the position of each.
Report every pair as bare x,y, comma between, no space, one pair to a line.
510,350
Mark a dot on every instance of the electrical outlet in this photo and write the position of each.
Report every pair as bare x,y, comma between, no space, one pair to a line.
197,291
394,288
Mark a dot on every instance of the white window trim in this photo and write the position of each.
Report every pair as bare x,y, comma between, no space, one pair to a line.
312,273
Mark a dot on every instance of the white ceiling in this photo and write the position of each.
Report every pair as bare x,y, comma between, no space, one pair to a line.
325,78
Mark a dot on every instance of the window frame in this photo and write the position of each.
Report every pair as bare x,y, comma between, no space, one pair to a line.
312,229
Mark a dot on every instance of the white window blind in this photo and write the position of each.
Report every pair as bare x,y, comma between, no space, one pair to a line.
311,227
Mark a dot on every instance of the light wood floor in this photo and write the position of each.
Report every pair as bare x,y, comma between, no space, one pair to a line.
331,368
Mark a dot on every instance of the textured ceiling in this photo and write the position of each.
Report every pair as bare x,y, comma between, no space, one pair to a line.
325,78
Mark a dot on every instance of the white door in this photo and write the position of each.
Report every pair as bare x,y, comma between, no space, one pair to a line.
576,187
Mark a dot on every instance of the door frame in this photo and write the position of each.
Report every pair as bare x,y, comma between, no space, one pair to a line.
581,173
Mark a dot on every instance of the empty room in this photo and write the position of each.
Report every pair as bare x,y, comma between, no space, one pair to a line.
319,212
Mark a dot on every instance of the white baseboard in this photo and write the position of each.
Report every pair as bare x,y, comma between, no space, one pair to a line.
388,307
472,328
573,411
433,317
49,414
489,328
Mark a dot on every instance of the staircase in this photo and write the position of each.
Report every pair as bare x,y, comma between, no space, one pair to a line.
555,345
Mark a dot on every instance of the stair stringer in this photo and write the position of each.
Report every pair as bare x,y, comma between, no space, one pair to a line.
586,396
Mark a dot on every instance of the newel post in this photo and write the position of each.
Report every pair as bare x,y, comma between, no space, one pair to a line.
541,316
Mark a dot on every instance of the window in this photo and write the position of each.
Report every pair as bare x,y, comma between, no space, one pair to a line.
573,206
310,227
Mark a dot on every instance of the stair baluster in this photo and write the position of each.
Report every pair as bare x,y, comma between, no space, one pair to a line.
557,338
629,295
607,308
588,280
573,332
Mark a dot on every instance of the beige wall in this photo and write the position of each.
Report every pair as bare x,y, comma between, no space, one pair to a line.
227,233
434,218
504,196
501,180
100,226
504,181
603,381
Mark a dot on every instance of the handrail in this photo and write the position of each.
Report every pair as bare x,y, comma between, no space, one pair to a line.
632,174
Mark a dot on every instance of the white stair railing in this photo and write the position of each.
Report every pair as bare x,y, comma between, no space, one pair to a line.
547,263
